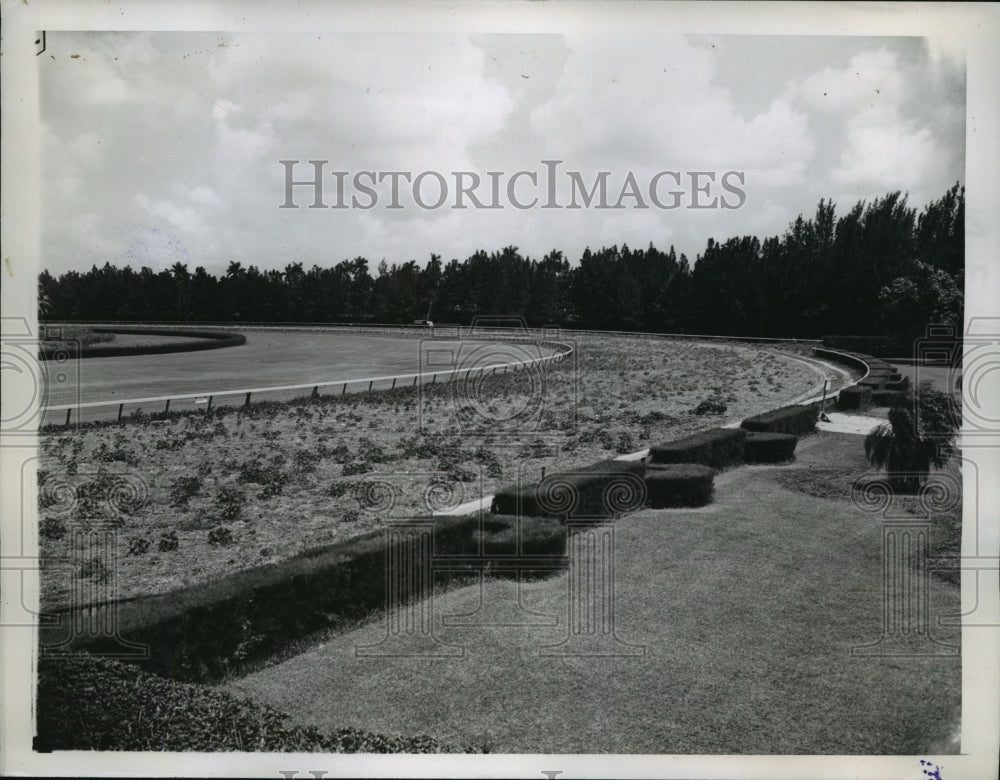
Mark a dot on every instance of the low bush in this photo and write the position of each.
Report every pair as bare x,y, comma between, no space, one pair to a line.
769,447
167,542
220,537
138,546
713,405
887,397
796,419
719,448
502,535
679,484
857,398
605,489
354,468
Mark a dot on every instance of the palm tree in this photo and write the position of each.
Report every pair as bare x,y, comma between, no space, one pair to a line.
919,434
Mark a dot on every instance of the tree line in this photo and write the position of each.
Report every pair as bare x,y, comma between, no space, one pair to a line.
881,268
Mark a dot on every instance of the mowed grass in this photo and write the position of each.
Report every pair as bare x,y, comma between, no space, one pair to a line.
747,610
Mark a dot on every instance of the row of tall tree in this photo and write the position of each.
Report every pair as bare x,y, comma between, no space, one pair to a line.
880,268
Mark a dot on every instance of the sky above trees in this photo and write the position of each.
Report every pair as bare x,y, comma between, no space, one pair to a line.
160,148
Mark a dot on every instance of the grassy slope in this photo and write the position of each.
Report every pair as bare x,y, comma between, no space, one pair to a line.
747,609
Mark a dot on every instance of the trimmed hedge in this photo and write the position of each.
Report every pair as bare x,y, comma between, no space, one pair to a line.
679,484
215,629
769,447
887,397
796,419
503,536
605,489
719,448
857,398
210,339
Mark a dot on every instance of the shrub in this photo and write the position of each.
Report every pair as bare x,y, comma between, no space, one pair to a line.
856,398
499,535
679,484
605,489
138,546
229,503
52,528
182,489
167,542
769,447
357,467
887,397
719,448
220,537
796,419
713,405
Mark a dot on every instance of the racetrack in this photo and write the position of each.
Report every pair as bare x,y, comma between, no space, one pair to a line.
269,358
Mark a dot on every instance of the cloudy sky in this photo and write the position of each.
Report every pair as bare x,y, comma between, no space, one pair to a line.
164,147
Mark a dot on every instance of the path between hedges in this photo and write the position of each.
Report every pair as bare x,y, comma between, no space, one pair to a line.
746,611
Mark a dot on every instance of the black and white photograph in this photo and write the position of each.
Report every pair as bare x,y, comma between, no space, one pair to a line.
527,389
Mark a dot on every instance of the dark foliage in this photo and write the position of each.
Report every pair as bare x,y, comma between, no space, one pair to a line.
769,447
796,419
857,398
605,489
679,484
720,448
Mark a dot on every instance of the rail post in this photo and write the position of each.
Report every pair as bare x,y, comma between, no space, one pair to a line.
121,408
166,407
209,408
370,385
246,401
344,390
68,413
393,384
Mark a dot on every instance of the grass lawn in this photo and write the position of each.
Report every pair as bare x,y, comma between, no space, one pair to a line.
747,610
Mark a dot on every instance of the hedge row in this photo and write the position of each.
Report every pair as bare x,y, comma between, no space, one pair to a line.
498,537
605,489
679,484
719,448
857,398
209,339
796,419
208,631
769,447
